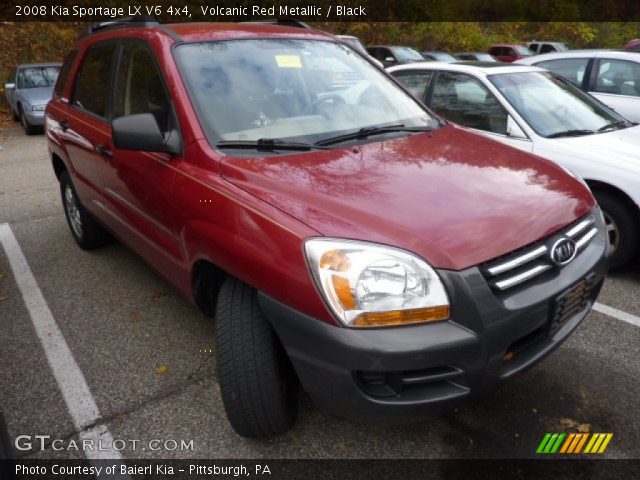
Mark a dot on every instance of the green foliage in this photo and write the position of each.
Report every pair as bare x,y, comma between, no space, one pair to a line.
458,36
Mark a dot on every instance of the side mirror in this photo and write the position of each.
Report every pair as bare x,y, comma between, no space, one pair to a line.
390,60
9,86
141,132
514,130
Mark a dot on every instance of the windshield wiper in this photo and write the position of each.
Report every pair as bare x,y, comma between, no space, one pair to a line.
369,131
268,145
617,125
571,133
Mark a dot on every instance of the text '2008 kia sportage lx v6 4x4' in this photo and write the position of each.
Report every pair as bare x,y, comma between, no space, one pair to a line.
345,239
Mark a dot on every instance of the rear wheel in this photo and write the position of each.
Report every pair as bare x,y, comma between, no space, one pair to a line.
86,231
622,227
257,382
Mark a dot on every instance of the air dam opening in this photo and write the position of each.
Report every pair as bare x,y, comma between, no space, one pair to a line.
427,384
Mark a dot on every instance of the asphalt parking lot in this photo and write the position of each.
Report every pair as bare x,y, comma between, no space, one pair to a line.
147,358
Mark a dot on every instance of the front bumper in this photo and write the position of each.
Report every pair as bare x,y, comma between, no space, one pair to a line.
35,118
406,373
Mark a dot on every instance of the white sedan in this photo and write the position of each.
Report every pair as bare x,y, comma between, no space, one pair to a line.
609,75
537,111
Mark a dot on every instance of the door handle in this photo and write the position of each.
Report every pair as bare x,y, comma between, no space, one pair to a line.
104,151
64,125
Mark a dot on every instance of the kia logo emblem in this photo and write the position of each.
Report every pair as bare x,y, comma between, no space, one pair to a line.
563,251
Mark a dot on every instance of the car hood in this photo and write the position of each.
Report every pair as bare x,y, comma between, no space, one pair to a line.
618,148
37,96
451,196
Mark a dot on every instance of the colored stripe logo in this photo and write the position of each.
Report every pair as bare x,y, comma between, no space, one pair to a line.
574,443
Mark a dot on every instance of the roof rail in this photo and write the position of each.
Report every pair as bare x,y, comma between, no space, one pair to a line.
133,21
285,22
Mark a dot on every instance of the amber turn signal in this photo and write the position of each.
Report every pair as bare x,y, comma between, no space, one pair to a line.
401,317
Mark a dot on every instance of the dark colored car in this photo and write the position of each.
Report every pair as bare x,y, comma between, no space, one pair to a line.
633,45
509,53
394,55
438,56
475,57
345,238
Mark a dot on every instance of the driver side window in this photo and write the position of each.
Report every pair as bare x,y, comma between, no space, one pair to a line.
139,87
462,99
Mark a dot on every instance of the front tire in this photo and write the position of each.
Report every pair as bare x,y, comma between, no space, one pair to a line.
86,231
24,121
622,227
258,385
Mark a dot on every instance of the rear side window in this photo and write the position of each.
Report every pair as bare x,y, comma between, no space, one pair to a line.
64,72
92,86
139,86
546,48
570,68
618,77
415,81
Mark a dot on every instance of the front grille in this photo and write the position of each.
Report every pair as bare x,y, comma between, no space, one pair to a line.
526,263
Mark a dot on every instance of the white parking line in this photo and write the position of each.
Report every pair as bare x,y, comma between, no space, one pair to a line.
618,314
73,386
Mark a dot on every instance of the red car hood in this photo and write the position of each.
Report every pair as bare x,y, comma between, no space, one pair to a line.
451,196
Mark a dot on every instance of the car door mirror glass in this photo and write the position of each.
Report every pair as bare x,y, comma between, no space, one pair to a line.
513,129
142,132
9,86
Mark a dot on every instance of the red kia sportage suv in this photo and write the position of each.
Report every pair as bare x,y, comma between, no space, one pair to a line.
343,236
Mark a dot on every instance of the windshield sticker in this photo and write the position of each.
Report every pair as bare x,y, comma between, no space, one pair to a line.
288,61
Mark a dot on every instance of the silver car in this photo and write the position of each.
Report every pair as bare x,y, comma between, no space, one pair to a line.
28,89
613,77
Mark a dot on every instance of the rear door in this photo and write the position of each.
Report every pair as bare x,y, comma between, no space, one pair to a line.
616,82
85,126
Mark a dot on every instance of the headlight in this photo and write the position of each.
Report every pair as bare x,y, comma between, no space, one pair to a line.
370,285
39,108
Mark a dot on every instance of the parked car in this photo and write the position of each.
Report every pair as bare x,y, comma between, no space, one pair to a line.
438,56
345,240
509,53
475,57
394,55
534,110
611,76
633,45
538,47
356,44
28,89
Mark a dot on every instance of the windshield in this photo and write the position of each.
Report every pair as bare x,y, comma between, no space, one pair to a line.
551,105
443,57
485,57
36,77
294,90
522,50
407,54
355,43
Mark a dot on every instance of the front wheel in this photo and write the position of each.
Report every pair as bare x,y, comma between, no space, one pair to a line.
257,382
28,128
622,227
86,231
